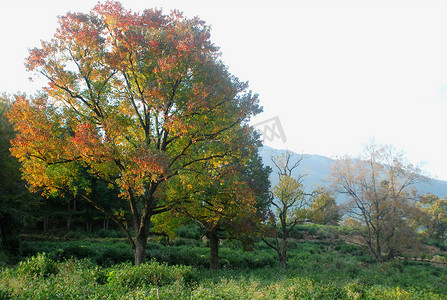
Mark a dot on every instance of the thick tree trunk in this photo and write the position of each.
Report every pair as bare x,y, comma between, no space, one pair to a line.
140,248
282,261
214,249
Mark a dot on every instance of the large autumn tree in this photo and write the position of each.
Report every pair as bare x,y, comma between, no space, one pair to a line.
134,99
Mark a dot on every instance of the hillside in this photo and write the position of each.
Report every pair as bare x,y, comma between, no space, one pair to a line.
318,169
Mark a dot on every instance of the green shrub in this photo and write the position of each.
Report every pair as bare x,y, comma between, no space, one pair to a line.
5,294
78,251
355,290
40,265
187,242
186,255
367,258
29,248
296,234
349,249
152,273
240,259
4,259
114,255
76,235
104,233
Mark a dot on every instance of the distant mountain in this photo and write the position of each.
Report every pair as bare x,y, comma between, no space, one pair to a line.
318,169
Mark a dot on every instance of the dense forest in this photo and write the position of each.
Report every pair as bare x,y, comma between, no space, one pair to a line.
136,170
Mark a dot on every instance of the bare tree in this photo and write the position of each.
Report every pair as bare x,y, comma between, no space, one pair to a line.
380,188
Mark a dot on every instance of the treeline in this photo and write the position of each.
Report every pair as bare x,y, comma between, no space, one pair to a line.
24,211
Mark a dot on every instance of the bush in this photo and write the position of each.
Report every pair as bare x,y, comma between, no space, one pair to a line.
76,235
6,295
38,266
350,249
4,259
114,255
78,251
110,233
355,290
239,259
186,255
152,273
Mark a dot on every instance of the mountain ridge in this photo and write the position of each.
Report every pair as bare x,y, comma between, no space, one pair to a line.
318,168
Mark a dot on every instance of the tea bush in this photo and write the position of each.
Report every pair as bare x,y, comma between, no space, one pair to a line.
6,294
317,269
83,279
40,265
78,251
108,256
152,273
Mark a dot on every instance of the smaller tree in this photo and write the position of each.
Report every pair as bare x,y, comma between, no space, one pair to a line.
434,221
223,198
324,210
289,202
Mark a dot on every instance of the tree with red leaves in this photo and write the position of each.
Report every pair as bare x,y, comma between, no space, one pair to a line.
133,99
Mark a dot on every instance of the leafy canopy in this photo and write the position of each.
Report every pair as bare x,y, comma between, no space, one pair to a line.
131,97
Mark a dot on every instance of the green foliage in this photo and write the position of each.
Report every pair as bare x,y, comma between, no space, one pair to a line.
105,120
324,209
40,265
434,222
191,231
103,233
77,251
350,249
150,274
4,259
316,271
5,295
15,200
104,253
113,255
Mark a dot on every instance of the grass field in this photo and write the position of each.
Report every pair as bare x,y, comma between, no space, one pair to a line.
317,269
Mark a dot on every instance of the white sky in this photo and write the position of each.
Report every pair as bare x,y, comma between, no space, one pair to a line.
335,73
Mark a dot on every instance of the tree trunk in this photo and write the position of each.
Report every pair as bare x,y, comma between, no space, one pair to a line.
391,254
214,249
46,220
106,223
69,216
283,252
140,248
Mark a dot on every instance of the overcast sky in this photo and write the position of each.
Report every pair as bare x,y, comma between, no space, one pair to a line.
334,73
